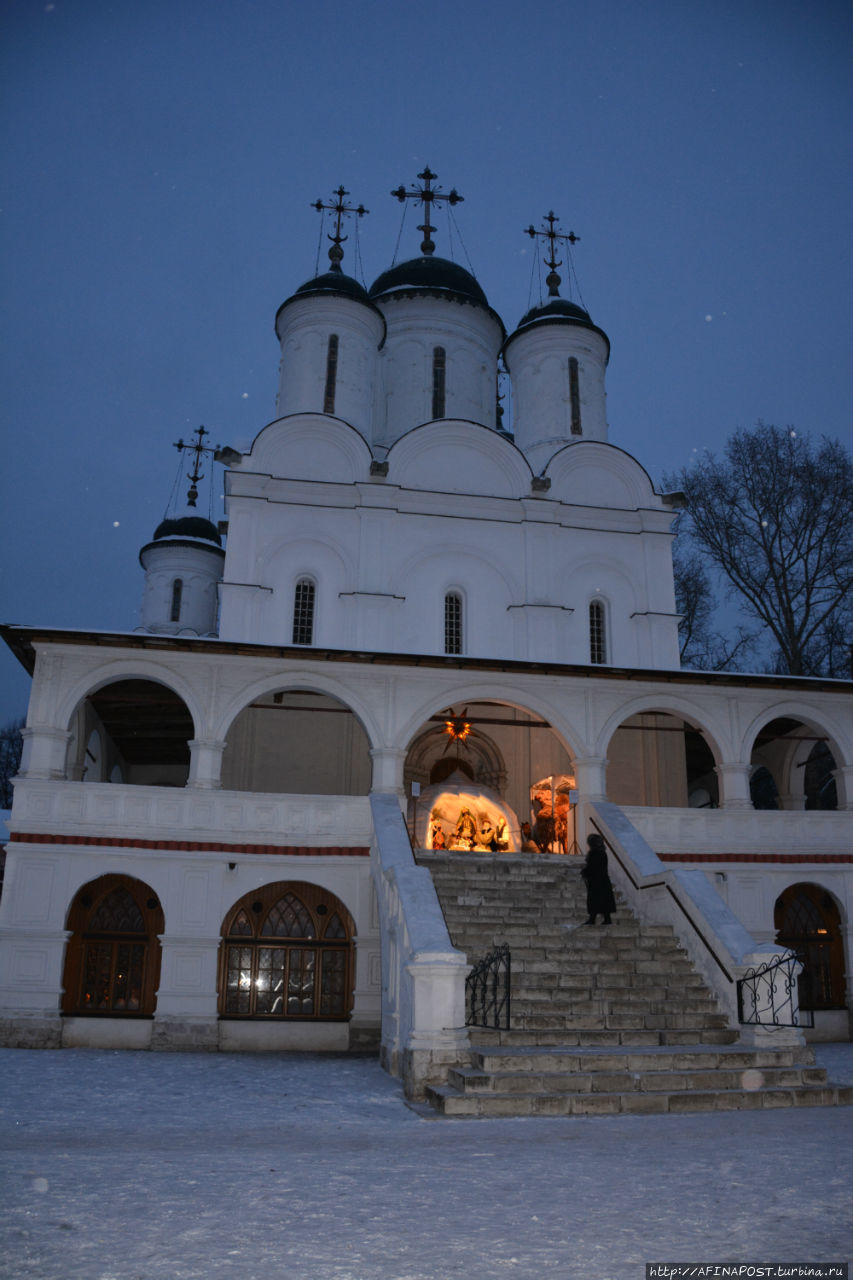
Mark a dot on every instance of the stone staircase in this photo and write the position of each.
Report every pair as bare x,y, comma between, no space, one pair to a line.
605,1019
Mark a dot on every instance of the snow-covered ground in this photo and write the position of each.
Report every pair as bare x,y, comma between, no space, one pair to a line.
145,1166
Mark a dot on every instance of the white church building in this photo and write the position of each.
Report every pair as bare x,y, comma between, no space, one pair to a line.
211,844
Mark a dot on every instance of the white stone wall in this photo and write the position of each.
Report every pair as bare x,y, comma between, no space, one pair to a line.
455,512
538,361
393,702
304,326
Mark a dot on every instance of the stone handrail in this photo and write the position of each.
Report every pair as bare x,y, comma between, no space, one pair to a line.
719,946
423,975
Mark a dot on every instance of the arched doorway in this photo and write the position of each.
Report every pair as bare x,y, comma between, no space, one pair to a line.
808,921
112,960
287,952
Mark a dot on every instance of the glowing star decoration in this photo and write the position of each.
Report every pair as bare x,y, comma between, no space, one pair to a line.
457,728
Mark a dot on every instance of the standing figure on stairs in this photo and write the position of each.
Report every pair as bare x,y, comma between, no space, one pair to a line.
599,890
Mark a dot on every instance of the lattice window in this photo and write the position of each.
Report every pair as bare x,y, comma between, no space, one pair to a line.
289,918
310,975
597,632
808,921
117,913
453,622
331,374
303,612
439,381
112,959
177,594
575,397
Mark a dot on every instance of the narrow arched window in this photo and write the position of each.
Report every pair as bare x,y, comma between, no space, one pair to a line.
439,368
303,612
597,632
177,593
453,622
575,397
331,374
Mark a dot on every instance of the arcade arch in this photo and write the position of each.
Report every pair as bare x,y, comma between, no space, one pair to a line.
507,753
793,766
297,741
131,730
660,759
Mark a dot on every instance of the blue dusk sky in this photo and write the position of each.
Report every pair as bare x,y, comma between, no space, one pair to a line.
160,158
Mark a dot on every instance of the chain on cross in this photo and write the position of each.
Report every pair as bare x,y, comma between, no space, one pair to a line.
197,449
341,210
427,195
550,234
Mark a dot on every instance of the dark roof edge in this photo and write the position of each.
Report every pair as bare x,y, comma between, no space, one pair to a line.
542,321
453,295
198,544
20,640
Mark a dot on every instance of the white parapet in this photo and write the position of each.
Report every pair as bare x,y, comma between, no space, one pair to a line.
423,978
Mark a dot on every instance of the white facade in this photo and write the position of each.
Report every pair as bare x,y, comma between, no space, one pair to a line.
392,554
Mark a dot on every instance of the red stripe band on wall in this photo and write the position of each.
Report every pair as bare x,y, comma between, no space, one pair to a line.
194,846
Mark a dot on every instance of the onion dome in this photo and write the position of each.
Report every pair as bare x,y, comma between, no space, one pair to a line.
558,311
428,274
192,527
334,282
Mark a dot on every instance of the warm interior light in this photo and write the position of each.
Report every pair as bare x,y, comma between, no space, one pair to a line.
457,729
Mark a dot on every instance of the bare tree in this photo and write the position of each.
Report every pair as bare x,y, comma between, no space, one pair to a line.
11,744
775,516
700,645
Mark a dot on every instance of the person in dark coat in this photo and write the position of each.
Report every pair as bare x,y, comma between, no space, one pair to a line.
599,890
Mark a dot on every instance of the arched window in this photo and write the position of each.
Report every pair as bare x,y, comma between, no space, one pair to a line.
303,612
177,593
575,397
453,622
808,922
439,370
112,961
597,632
287,952
331,374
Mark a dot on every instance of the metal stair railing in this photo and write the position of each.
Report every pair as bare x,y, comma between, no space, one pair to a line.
487,991
766,995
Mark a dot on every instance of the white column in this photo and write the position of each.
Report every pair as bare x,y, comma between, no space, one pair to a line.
44,752
734,785
205,763
388,770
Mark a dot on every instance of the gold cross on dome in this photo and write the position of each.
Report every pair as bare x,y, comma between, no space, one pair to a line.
428,196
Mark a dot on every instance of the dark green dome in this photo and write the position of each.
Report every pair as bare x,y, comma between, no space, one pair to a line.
430,275
188,527
557,311
334,282
557,308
